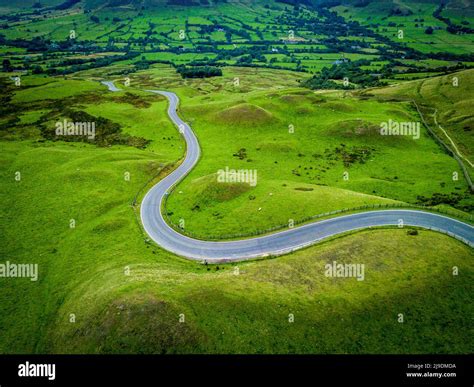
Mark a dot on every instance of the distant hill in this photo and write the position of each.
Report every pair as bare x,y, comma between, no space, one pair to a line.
405,7
384,6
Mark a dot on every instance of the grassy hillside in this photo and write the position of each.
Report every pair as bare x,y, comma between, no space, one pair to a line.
248,312
413,18
8,6
450,97
63,181
247,127
103,289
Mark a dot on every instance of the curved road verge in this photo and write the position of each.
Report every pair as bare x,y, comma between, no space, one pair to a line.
274,244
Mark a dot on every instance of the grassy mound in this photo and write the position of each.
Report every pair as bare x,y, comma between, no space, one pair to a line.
245,114
340,107
207,190
293,98
276,146
248,312
138,324
355,128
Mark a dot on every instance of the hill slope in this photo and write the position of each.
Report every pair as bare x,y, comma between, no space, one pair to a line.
450,97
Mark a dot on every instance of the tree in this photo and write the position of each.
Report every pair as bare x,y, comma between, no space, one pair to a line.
7,66
429,31
199,71
37,69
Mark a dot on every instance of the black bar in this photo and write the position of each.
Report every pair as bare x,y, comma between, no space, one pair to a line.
136,370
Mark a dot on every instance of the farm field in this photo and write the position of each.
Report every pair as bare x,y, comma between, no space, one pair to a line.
413,19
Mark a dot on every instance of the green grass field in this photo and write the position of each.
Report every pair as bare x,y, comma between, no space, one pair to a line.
105,277
449,97
71,205
125,295
304,165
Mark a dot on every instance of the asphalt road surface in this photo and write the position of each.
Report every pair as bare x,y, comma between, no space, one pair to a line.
273,244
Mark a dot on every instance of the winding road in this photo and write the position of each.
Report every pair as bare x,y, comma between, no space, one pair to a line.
273,244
